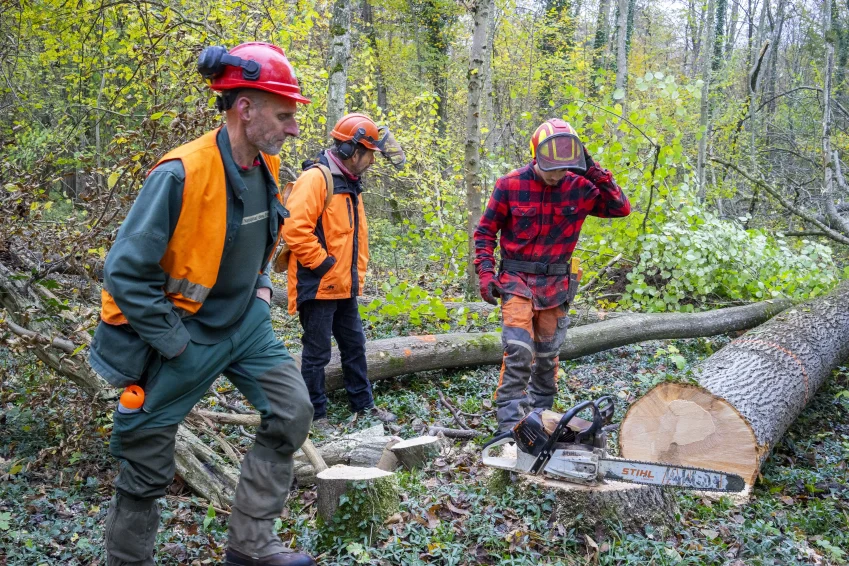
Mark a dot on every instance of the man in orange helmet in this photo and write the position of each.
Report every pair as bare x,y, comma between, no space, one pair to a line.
539,210
328,238
186,298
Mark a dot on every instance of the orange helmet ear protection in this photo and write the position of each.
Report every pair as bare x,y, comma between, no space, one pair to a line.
346,149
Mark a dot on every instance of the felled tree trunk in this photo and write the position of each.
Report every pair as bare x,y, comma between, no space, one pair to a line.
410,354
748,393
417,452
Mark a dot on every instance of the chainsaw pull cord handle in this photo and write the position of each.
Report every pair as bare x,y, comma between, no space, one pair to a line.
547,448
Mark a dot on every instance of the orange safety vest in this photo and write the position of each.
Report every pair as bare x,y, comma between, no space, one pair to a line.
193,255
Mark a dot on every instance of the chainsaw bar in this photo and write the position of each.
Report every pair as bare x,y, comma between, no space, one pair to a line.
654,473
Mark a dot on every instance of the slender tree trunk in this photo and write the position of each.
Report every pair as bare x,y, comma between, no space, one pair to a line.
602,31
622,45
477,56
719,33
731,32
340,53
704,119
371,34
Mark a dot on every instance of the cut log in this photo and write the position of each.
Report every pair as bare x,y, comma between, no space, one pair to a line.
417,452
361,449
410,354
379,499
388,460
748,393
592,509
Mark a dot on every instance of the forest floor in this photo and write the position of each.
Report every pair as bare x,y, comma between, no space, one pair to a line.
56,474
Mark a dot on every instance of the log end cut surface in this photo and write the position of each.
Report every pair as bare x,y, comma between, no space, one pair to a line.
683,424
352,473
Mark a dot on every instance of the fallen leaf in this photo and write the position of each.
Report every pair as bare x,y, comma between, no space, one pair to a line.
710,534
787,500
456,509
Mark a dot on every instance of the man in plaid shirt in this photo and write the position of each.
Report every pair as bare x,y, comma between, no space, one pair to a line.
539,210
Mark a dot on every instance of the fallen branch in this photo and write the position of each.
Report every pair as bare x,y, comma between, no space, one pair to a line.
411,354
583,288
454,433
59,343
451,408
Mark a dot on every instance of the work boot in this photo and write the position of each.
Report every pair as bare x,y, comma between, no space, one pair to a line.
382,415
236,558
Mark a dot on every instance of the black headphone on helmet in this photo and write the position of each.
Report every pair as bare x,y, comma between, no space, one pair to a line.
214,58
211,64
345,150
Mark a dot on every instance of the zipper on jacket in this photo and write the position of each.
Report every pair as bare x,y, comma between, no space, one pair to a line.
350,212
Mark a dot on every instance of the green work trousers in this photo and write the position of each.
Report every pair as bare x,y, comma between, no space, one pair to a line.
262,369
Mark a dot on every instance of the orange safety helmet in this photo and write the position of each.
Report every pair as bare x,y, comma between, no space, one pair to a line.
250,65
353,129
556,145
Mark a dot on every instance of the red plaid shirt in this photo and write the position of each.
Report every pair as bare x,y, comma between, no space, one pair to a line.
541,224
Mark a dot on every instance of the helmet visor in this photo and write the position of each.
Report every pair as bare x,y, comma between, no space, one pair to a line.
390,148
561,151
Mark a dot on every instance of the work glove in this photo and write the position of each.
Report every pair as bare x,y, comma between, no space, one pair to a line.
489,292
588,158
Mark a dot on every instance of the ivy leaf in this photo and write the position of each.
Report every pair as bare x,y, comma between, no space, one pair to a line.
619,94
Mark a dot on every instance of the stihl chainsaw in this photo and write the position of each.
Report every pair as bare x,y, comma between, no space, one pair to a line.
568,448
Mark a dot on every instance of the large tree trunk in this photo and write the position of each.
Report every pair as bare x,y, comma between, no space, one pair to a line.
410,354
477,56
748,394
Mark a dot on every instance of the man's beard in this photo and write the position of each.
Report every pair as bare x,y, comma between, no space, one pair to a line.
270,148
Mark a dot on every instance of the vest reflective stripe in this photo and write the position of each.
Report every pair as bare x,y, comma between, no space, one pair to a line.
193,255
192,291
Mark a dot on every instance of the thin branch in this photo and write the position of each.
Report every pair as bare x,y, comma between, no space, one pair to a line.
58,343
583,288
454,433
457,418
836,236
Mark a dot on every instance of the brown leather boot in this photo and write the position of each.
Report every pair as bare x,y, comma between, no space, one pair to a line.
236,558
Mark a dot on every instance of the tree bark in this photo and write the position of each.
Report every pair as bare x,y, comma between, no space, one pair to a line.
622,46
337,65
403,355
748,393
602,31
477,56
371,34
704,118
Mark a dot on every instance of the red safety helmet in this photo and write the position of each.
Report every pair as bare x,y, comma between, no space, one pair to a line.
556,145
250,65
360,129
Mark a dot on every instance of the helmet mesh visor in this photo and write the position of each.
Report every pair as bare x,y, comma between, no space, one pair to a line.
561,151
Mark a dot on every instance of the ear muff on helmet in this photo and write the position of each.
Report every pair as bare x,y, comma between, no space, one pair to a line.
345,150
215,58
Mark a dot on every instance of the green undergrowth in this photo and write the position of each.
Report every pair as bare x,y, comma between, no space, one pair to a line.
55,482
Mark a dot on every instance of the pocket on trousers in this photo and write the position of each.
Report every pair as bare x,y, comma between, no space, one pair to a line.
120,355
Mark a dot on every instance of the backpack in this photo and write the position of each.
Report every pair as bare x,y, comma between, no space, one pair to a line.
281,262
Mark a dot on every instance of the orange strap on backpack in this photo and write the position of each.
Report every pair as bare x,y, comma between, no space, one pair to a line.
281,262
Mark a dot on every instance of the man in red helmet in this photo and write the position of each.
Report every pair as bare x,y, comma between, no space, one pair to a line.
539,210
328,238
186,298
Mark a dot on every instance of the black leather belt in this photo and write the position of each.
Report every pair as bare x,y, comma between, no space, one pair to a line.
535,267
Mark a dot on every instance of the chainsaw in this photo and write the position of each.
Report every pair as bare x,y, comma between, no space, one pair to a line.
569,448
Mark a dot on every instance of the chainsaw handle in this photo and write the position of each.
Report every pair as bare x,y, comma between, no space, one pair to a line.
547,449
605,406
